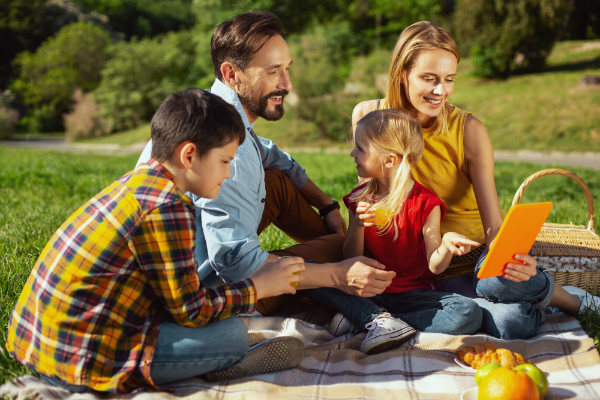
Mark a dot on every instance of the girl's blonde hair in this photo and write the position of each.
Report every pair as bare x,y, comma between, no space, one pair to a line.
396,132
422,35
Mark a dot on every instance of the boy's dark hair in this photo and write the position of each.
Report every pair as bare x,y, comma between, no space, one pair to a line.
237,40
197,116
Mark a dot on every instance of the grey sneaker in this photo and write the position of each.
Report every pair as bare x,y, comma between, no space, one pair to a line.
268,356
340,325
385,333
587,300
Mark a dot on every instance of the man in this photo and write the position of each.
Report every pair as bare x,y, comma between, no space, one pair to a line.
252,62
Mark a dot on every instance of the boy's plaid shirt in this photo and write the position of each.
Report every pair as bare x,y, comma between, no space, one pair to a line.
89,311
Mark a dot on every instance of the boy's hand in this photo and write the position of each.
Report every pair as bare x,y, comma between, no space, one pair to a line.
275,278
521,272
361,208
458,244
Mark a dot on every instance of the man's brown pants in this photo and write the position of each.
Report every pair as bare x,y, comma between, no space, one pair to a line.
289,211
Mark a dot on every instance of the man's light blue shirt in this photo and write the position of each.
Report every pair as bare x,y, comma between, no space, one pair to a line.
226,237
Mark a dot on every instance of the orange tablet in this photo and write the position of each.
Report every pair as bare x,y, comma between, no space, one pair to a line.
516,236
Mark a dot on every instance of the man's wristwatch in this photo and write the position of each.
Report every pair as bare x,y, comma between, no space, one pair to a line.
326,210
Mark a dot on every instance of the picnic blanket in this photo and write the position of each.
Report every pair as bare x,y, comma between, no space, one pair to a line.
334,368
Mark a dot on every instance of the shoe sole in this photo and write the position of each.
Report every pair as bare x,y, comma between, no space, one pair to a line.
396,340
277,355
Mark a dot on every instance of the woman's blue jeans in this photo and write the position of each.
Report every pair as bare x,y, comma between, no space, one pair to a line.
182,352
423,309
513,310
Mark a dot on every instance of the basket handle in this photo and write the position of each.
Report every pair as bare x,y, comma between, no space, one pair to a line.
556,171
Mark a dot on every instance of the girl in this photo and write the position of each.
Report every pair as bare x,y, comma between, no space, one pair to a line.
458,165
387,145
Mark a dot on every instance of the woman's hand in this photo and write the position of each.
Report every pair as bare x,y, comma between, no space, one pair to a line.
458,244
521,272
361,208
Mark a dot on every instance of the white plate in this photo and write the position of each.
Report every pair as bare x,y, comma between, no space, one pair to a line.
470,394
463,364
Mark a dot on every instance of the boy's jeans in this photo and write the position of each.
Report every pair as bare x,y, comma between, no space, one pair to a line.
182,352
423,309
513,310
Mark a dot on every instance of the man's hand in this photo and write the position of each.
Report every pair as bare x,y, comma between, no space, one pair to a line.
336,223
521,272
362,276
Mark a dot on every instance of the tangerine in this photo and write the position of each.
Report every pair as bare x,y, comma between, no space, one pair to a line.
504,383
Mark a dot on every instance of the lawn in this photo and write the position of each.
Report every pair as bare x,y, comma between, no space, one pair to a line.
40,189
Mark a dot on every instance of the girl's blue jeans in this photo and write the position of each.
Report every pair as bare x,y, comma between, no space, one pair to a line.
424,309
182,352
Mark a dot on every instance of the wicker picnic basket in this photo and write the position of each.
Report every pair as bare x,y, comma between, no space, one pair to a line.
570,252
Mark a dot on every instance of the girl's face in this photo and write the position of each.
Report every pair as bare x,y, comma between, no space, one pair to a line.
369,161
430,82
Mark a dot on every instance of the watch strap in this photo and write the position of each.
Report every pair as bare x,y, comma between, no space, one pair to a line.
326,210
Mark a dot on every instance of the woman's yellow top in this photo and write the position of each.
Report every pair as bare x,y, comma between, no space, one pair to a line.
443,170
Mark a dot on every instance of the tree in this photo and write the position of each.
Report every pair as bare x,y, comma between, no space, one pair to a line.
508,36
140,75
47,78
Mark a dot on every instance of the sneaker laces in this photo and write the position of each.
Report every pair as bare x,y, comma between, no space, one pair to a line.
377,322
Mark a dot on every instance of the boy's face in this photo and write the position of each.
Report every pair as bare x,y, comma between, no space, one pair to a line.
208,172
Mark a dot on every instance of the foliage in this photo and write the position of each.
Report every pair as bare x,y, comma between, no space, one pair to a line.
8,115
508,36
583,22
320,64
143,18
24,25
70,59
83,121
140,75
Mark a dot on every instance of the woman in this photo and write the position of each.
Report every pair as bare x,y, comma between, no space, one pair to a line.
458,164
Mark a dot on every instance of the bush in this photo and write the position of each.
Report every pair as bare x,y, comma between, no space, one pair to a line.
140,75
84,121
8,115
318,75
47,78
510,36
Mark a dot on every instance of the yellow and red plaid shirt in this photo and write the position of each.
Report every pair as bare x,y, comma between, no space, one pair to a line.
89,311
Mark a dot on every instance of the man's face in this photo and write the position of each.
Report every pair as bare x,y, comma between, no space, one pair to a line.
266,81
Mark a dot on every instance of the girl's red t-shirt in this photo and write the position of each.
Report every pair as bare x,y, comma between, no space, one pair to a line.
406,255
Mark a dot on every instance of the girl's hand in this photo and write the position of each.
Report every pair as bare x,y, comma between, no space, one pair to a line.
458,244
521,272
361,208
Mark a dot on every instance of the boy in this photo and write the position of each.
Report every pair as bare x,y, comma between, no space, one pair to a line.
114,302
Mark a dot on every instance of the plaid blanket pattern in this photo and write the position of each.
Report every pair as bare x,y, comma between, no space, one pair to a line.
334,368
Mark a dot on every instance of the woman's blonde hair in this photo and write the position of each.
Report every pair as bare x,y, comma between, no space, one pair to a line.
397,132
422,35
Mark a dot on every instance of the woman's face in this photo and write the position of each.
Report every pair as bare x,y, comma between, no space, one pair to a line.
430,82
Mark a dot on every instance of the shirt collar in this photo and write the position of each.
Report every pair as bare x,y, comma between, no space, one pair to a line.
230,96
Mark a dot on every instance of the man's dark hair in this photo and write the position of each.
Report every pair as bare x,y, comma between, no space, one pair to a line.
197,116
237,40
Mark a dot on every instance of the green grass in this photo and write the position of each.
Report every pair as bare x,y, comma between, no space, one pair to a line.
544,111
40,189
125,138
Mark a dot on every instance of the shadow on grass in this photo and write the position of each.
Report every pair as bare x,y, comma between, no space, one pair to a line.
575,66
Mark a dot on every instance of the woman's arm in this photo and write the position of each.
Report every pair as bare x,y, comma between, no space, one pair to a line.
440,250
354,245
480,162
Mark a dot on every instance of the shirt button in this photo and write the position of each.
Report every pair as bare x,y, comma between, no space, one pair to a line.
262,200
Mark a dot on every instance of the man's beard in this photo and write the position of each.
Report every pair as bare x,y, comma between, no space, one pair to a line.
259,106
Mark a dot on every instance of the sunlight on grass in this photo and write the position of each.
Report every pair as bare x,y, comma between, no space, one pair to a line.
126,138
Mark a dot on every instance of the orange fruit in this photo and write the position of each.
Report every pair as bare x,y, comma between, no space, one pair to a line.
504,383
